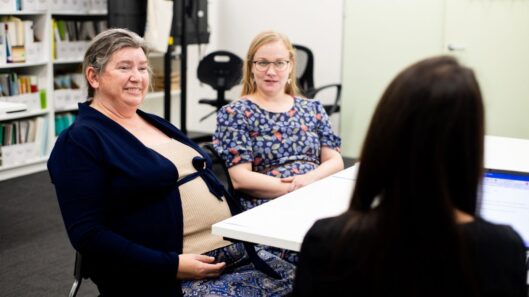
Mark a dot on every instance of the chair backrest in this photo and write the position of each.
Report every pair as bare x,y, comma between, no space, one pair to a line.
221,70
222,173
305,79
304,68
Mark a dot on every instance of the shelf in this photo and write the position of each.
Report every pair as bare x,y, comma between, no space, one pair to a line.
21,115
23,12
29,167
67,109
63,62
44,69
90,13
21,65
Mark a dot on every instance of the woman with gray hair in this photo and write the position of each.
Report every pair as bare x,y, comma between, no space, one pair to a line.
138,197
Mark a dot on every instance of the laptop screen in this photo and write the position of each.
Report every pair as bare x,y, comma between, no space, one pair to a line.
504,199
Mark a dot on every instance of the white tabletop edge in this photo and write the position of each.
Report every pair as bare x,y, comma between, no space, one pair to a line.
238,232
348,173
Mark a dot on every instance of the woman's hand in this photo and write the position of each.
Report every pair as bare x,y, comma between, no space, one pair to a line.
298,181
194,266
331,162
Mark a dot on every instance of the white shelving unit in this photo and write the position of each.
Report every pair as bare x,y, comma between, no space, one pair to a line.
30,157
45,67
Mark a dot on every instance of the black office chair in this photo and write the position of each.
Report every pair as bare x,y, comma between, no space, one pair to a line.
221,70
78,275
305,79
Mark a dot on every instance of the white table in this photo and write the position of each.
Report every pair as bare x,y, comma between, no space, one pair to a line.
507,153
283,222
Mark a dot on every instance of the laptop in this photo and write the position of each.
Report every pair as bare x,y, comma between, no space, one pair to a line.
504,199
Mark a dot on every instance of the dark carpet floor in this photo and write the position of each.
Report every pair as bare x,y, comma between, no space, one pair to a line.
36,258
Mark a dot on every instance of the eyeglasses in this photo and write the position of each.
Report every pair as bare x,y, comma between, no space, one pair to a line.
264,65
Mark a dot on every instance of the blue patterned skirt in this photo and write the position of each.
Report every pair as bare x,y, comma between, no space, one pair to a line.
240,278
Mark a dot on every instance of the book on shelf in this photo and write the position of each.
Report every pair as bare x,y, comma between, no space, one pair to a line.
72,37
22,140
24,131
16,36
70,30
13,84
9,28
63,121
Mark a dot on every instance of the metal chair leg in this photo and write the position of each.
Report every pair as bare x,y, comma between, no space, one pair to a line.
77,275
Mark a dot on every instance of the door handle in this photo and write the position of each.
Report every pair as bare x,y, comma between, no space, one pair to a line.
456,47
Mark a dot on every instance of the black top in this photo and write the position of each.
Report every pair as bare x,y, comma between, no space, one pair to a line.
497,257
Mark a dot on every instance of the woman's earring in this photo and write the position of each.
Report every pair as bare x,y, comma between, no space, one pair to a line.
289,81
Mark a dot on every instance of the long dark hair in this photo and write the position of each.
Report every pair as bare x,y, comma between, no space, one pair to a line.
422,158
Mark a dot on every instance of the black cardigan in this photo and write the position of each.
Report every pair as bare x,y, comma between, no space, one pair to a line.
121,204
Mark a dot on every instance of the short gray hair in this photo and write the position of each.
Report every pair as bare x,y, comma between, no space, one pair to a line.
104,45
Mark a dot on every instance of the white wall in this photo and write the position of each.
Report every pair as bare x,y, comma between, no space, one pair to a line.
381,37
316,24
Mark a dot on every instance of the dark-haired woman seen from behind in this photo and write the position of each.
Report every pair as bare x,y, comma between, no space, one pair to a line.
410,229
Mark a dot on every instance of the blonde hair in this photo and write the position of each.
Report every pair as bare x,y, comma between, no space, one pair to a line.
248,84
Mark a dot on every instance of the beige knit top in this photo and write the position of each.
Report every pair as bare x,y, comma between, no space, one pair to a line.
200,208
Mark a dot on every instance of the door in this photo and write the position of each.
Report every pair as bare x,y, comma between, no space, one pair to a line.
492,37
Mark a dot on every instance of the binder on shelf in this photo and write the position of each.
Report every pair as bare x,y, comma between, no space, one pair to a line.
13,83
41,135
61,28
17,154
4,84
8,5
30,5
3,45
8,134
28,32
87,30
42,4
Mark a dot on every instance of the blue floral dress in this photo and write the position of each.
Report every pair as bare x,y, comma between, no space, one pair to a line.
279,144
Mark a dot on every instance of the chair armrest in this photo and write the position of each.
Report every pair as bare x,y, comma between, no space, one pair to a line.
335,107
